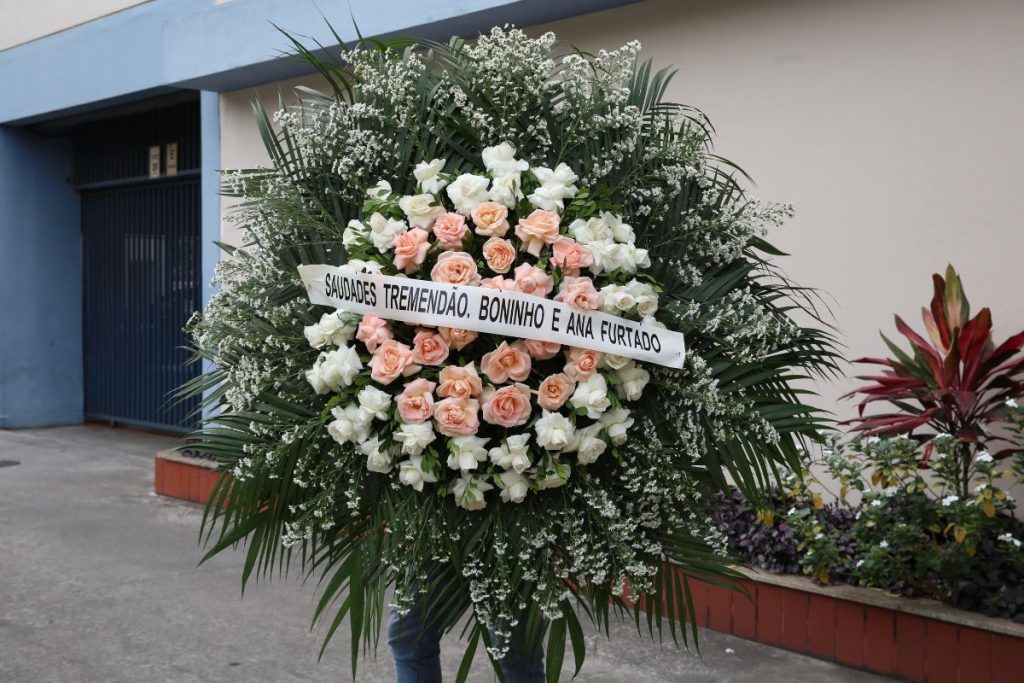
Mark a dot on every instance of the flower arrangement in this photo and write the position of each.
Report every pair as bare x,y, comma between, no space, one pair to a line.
513,478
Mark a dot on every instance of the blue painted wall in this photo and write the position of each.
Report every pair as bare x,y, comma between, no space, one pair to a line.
40,283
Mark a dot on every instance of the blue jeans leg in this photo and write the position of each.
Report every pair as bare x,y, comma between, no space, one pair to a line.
523,668
417,650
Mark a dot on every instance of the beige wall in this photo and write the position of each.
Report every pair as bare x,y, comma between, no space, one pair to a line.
25,20
893,127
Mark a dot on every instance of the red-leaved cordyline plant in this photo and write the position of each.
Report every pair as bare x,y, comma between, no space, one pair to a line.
956,382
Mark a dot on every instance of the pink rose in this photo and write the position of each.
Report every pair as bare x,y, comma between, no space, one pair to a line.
490,219
410,249
373,331
499,254
499,282
457,337
508,406
579,293
450,228
506,362
455,268
391,359
554,391
416,402
581,363
541,350
457,416
570,255
459,382
429,348
533,280
536,230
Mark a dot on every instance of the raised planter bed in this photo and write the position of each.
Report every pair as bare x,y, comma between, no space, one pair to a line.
180,476
913,639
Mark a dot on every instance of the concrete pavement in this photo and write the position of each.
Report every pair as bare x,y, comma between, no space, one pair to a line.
98,583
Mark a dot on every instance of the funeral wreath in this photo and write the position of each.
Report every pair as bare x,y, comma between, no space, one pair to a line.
500,324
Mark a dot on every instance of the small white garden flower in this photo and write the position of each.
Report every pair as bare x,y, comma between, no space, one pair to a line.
949,500
1012,403
501,160
983,456
512,454
514,486
383,231
555,187
591,395
616,423
375,402
415,437
469,491
467,191
428,175
1008,538
554,431
883,545
411,472
466,452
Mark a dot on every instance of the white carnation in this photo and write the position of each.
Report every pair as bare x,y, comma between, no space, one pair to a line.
631,380
554,431
375,402
466,452
415,437
467,191
411,472
512,454
383,231
501,160
591,395
428,175
469,491
514,486
555,187
616,423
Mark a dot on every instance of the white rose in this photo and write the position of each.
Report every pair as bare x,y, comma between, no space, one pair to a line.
420,210
383,231
512,454
589,446
501,160
349,424
415,437
555,187
506,190
354,232
376,459
591,395
617,299
340,366
466,452
469,492
607,256
590,231
645,296
335,328
554,431
316,379
379,191
428,174
357,265
616,423
615,361
467,191
552,475
631,381
630,257
411,472
514,486
621,232
650,321
375,402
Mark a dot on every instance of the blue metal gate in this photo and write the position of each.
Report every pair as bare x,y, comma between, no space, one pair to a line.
141,249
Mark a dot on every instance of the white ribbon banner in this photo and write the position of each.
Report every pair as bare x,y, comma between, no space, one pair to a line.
492,311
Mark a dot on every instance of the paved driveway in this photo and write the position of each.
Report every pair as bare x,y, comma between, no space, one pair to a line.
98,583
